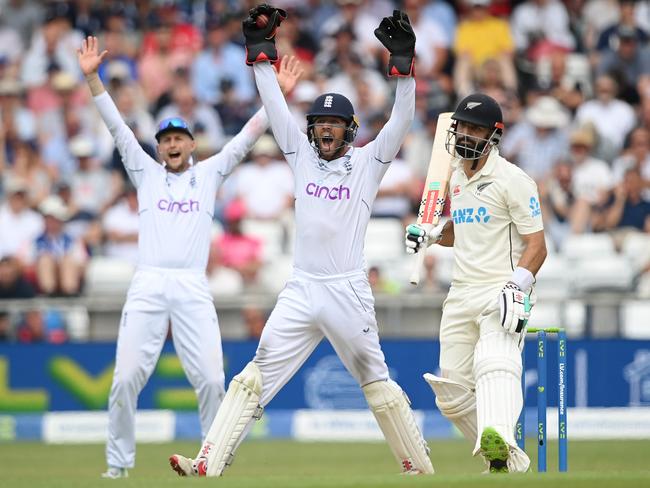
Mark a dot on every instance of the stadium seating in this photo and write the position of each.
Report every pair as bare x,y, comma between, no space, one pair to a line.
635,317
384,241
106,276
270,232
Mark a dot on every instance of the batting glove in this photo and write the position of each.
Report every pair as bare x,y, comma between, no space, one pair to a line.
260,41
514,308
396,34
417,237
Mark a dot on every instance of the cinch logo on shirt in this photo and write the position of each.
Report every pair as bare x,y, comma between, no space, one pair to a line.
336,193
178,207
467,215
535,210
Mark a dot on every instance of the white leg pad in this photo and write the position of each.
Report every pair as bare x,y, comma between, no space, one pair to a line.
457,403
392,410
497,371
239,406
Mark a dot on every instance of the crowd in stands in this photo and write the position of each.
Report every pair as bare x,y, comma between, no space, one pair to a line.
573,78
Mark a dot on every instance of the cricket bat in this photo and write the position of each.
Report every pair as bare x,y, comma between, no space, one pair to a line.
435,188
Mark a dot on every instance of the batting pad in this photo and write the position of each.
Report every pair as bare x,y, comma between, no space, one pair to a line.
456,402
239,406
497,371
392,410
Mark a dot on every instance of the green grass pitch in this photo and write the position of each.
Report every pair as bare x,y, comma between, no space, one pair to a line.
289,464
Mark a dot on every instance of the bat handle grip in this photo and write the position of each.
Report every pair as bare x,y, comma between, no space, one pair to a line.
417,266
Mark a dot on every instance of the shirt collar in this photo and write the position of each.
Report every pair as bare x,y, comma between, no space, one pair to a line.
341,166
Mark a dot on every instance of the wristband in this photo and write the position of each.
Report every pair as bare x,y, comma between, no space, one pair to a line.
523,278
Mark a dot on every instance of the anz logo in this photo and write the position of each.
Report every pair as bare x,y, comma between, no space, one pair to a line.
535,210
471,215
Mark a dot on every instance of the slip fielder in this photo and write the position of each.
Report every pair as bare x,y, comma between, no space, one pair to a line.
176,202
497,234
328,294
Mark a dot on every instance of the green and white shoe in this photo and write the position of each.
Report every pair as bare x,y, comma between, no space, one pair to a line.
495,450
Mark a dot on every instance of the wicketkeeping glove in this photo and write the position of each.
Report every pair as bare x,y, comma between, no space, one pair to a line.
514,307
397,35
260,42
417,237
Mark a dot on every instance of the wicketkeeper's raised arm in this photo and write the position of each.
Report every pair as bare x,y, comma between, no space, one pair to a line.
397,35
260,52
125,141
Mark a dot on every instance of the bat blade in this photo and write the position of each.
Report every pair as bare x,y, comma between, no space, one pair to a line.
435,188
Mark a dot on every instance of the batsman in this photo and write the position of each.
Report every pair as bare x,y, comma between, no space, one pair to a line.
498,239
328,295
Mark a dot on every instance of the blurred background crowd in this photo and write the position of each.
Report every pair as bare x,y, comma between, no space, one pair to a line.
572,77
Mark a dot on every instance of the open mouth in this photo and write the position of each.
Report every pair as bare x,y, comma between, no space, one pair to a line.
174,155
327,140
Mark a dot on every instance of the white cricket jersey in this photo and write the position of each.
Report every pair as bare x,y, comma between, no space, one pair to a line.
491,212
333,198
176,209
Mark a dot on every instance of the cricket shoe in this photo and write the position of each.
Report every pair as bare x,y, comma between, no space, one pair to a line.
188,467
113,473
495,450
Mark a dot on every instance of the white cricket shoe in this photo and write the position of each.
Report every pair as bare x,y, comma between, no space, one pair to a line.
113,473
188,467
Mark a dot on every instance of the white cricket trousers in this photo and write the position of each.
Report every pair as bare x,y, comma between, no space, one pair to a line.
156,297
340,308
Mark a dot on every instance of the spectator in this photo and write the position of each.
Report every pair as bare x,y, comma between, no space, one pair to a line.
28,167
566,77
11,47
628,211
19,225
236,250
558,202
592,179
5,327
541,27
393,198
379,283
202,118
120,226
275,195
37,326
12,282
17,122
610,37
60,259
482,37
536,142
222,281
612,118
636,154
627,63
219,61
53,46
254,321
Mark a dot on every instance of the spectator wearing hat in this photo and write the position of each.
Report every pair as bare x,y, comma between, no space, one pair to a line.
91,185
236,250
218,61
120,225
271,178
628,62
592,178
28,167
537,141
480,38
60,259
19,224
612,118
